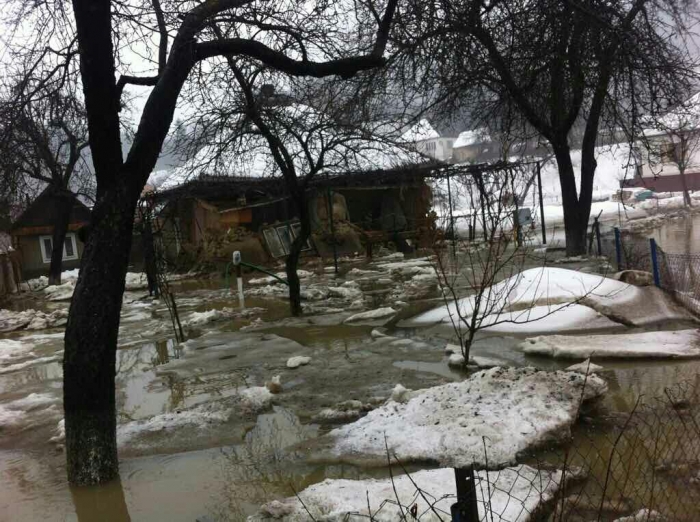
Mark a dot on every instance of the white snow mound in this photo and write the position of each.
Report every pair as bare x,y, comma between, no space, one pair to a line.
514,408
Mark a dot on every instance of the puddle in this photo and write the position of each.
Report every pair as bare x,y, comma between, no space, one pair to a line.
224,469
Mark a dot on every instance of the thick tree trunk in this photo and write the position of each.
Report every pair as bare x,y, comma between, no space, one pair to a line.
295,252
91,340
65,200
576,211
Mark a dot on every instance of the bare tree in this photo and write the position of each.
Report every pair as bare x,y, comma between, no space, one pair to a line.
44,143
565,69
108,35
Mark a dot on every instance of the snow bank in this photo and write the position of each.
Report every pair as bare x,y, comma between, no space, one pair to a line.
64,291
515,494
673,344
515,408
533,287
559,300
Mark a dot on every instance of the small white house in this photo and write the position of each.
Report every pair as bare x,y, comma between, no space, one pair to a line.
428,141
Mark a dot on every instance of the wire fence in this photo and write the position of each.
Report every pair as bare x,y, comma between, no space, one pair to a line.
635,466
677,273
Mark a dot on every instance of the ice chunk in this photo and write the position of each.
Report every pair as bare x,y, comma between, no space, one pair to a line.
669,344
298,360
372,315
514,408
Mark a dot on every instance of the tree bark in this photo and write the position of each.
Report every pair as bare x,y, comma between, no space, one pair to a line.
65,200
295,252
576,210
91,340
684,185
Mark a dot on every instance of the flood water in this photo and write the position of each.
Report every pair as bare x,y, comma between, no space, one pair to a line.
223,467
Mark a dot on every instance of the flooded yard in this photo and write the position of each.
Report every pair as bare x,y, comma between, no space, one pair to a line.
212,428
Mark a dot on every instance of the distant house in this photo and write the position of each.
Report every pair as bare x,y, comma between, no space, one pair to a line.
255,215
428,141
673,142
479,146
658,170
32,235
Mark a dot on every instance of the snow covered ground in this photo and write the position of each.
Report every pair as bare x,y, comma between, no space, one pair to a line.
515,409
667,344
515,494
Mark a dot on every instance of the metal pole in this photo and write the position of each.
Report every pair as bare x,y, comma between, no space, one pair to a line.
332,225
655,262
452,220
539,188
237,260
466,509
480,185
618,249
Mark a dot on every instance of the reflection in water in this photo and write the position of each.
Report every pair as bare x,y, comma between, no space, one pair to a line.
260,468
101,504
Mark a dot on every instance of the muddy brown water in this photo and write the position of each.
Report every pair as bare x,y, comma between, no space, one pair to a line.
225,470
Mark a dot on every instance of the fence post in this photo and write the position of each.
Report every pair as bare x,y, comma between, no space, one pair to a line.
539,187
466,508
618,249
655,263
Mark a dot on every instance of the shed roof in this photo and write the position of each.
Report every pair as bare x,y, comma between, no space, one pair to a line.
43,212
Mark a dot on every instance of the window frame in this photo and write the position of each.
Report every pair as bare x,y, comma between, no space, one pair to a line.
70,236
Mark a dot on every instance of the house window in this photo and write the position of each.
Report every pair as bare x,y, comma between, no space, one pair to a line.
70,248
279,238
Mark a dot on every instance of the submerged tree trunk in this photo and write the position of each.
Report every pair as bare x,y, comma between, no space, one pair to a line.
65,200
91,340
576,210
295,252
